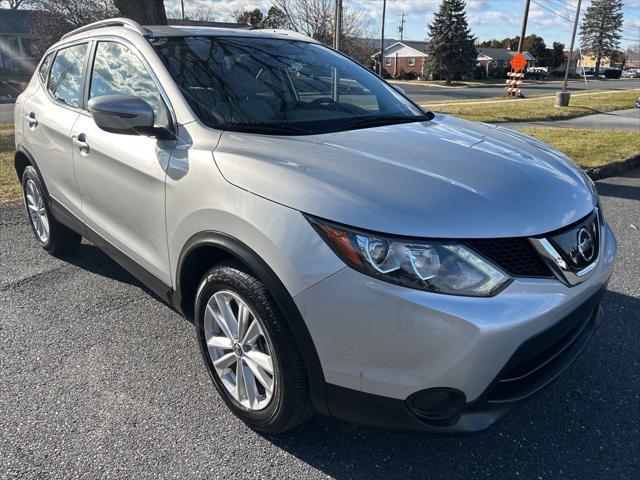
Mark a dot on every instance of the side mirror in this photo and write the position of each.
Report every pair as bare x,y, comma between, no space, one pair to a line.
401,90
124,115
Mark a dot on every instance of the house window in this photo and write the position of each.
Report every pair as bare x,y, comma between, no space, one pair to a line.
412,61
387,61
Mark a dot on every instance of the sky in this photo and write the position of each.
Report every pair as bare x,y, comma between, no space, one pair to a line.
551,19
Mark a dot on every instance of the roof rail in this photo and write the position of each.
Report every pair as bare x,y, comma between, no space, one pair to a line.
111,22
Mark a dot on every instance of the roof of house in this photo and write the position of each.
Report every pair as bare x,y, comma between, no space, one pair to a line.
420,47
496,53
16,21
502,54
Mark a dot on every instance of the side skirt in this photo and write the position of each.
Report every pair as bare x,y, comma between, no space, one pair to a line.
153,283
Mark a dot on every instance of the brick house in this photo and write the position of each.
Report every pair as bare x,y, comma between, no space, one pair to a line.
401,58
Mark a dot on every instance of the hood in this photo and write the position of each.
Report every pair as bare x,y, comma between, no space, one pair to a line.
446,178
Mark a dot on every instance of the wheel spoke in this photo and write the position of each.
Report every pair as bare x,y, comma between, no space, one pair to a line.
220,342
225,317
243,319
215,318
265,380
240,390
261,359
252,333
224,362
249,385
31,206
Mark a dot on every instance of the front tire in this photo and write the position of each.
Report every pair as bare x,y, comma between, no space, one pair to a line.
53,236
249,350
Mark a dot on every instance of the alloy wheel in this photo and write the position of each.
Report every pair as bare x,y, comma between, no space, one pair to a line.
37,211
241,352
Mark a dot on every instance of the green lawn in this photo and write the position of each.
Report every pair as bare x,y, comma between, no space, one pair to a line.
539,108
589,148
10,190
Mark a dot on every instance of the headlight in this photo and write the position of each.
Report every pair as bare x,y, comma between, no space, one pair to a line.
432,265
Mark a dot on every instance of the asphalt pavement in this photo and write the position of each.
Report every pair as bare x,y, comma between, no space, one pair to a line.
428,93
98,379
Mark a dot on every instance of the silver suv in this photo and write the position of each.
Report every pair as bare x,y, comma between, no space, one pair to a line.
339,249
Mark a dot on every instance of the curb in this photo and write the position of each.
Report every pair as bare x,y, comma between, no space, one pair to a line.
614,168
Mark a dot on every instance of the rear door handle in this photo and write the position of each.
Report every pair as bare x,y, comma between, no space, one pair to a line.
81,142
31,120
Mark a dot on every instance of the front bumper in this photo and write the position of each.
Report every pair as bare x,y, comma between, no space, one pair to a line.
381,344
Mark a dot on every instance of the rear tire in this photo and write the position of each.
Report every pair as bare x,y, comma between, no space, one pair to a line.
53,236
270,402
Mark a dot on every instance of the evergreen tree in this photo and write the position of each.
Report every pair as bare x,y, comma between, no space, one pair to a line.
600,31
451,52
556,56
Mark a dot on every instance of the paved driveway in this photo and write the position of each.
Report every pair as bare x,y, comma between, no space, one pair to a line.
100,380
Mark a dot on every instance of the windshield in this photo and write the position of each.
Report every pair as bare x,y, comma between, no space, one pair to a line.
279,86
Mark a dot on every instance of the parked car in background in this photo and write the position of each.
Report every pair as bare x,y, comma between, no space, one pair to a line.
339,248
538,73
631,73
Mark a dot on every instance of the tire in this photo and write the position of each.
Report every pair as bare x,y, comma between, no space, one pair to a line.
53,236
228,284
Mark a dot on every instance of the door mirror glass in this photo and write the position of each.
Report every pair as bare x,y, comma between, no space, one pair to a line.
124,115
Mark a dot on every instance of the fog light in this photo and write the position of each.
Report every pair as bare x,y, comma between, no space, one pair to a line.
437,406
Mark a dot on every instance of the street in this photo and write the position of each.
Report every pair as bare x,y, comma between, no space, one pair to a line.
425,93
101,380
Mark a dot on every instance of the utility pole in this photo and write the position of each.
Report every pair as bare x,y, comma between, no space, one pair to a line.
338,25
182,5
523,30
573,40
401,29
563,97
384,13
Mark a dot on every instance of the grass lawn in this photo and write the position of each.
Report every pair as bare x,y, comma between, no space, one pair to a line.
589,148
10,190
540,108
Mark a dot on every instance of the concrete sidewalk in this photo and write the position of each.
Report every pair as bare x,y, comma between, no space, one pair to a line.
628,120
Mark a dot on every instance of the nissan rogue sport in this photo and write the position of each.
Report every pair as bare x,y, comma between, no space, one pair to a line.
339,248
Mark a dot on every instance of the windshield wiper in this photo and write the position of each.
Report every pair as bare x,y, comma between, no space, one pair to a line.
389,120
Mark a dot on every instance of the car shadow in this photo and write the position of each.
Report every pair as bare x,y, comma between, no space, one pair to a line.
90,258
558,430
631,192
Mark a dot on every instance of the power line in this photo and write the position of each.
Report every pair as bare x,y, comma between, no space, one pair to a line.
552,11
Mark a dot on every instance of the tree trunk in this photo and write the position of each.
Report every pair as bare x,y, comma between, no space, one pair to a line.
598,60
145,12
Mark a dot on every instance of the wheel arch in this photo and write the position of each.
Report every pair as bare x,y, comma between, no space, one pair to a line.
206,249
23,159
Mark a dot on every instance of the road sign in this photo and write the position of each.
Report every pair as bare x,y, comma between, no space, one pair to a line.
518,62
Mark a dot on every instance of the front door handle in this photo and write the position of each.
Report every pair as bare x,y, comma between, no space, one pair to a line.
81,142
31,120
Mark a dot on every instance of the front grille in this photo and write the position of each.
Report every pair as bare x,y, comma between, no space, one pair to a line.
514,255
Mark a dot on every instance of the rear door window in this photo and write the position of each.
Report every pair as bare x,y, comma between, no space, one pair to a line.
65,79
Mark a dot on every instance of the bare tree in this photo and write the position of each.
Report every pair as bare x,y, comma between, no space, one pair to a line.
16,4
57,17
315,19
200,14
